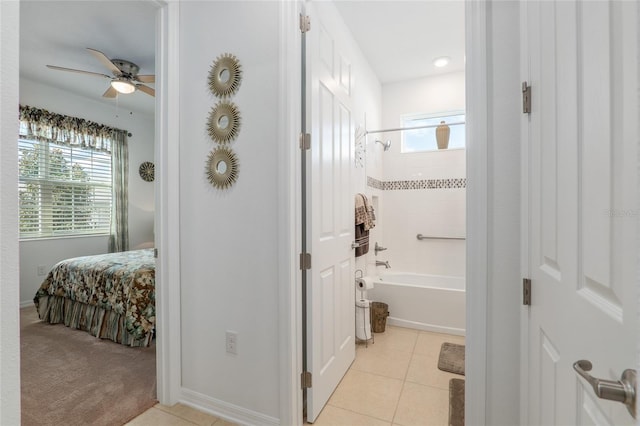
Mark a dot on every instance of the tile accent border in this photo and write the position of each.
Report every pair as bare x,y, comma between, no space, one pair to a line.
375,183
416,184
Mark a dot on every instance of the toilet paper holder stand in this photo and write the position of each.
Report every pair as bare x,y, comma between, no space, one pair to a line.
355,280
366,341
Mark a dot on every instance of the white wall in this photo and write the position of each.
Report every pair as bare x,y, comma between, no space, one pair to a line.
404,213
34,253
229,238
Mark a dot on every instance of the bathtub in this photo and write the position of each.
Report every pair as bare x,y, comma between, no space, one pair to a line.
424,302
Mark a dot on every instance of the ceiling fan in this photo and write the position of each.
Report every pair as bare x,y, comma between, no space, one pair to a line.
125,77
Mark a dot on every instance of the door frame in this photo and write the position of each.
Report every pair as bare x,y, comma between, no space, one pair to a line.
476,15
166,221
9,260
524,222
478,216
167,197
290,215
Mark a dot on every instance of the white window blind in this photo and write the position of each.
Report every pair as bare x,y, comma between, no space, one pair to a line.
64,190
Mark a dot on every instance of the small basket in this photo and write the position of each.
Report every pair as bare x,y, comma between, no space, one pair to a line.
379,314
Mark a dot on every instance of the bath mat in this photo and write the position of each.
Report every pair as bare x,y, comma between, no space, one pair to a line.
456,402
451,358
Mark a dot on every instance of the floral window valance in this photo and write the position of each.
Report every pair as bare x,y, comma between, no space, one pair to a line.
40,124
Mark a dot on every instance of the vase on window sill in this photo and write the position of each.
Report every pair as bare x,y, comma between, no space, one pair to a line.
442,135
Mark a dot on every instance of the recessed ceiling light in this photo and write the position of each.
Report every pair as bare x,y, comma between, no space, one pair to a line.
442,61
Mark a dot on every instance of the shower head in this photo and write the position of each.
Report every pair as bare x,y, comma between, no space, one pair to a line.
386,144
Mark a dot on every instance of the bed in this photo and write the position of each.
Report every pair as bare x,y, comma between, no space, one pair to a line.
111,296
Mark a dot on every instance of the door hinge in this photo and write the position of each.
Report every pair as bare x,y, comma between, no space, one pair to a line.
526,291
526,98
305,23
155,253
305,141
305,379
305,261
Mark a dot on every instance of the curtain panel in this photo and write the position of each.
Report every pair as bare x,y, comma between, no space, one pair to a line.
119,238
40,124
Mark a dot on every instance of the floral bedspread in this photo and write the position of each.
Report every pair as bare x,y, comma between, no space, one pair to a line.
123,283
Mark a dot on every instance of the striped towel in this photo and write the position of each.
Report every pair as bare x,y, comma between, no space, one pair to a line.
364,212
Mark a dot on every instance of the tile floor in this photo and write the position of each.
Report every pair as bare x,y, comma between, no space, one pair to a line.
176,415
394,381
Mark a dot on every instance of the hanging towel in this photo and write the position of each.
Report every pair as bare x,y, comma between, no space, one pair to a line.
364,221
362,238
364,212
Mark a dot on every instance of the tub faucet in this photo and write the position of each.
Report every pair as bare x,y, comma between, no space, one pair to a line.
383,263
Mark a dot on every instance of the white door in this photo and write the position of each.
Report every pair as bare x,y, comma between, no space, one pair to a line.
330,294
582,160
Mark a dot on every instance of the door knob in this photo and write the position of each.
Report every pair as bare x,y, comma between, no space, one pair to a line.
624,390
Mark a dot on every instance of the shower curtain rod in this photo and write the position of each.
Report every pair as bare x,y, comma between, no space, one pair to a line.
400,129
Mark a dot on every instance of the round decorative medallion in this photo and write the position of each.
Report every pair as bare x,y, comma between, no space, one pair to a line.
223,123
147,171
222,168
225,76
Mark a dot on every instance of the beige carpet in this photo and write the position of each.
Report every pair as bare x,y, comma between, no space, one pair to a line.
72,378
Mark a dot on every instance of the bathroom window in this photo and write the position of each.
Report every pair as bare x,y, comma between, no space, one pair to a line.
424,139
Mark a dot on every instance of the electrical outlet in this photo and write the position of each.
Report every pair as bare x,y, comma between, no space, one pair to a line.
231,342
42,269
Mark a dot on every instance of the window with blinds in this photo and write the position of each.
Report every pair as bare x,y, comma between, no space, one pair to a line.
424,139
63,190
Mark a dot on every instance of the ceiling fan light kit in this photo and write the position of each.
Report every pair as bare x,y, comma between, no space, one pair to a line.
123,86
223,123
125,78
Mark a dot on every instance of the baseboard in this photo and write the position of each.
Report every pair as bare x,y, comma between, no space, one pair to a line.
425,327
225,410
26,303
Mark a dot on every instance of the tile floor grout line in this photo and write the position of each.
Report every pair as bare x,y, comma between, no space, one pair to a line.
185,419
360,414
176,416
378,374
404,381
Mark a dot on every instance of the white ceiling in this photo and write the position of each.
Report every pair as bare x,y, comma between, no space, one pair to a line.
58,33
399,38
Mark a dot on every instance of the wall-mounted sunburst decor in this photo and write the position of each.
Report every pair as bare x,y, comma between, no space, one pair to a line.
147,171
222,167
360,147
223,123
225,76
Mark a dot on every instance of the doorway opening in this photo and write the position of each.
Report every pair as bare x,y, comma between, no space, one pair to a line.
57,33
414,194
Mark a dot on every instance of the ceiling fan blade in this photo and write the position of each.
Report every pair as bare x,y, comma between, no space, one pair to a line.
149,78
146,89
53,67
105,61
110,92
